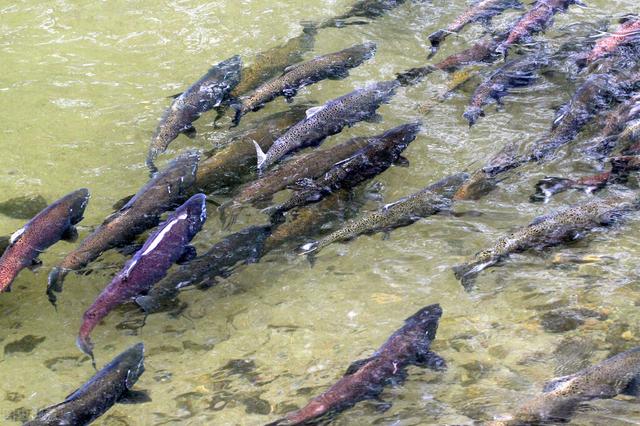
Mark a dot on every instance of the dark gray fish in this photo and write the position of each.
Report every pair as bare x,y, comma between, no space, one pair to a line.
113,383
482,10
329,119
370,9
430,200
23,207
245,246
366,378
596,94
333,66
200,97
308,166
519,72
51,225
168,244
381,152
561,397
547,231
165,191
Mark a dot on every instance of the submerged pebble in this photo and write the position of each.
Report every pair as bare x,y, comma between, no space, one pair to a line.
25,345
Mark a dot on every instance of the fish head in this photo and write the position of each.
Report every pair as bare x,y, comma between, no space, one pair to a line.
196,210
78,202
426,319
133,360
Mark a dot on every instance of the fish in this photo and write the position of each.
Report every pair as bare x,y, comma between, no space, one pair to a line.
482,10
628,32
332,66
481,51
366,378
168,244
272,62
535,20
381,152
234,163
594,95
320,218
519,72
165,191
329,119
564,225
484,180
54,223
307,166
561,397
370,9
23,207
428,201
113,383
203,95
245,246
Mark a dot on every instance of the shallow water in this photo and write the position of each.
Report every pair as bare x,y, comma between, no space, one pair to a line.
83,85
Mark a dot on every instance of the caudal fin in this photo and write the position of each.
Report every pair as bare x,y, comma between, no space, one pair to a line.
549,186
54,283
468,272
228,213
84,344
239,112
262,158
472,114
435,39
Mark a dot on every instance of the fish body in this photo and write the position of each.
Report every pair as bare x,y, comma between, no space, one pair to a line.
113,383
366,378
165,191
535,20
370,9
519,72
308,166
272,62
243,246
166,245
404,212
205,94
614,130
333,66
628,32
232,164
547,231
593,96
52,224
482,10
561,397
382,151
329,119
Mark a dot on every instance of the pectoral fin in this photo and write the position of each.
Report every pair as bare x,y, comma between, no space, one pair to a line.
402,161
122,202
313,111
70,234
177,95
35,264
374,118
633,387
431,360
187,255
134,397
189,131
356,365
339,74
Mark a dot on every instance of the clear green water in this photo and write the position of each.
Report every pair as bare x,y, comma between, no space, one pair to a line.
81,89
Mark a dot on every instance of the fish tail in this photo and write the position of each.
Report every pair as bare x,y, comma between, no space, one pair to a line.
414,75
549,186
83,341
262,158
436,39
54,283
472,114
468,272
309,27
147,303
239,112
228,214
153,153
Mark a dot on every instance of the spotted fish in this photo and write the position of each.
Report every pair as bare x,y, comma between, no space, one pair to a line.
203,95
404,212
561,397
166,245
333,66
547,231
54,223
329,119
